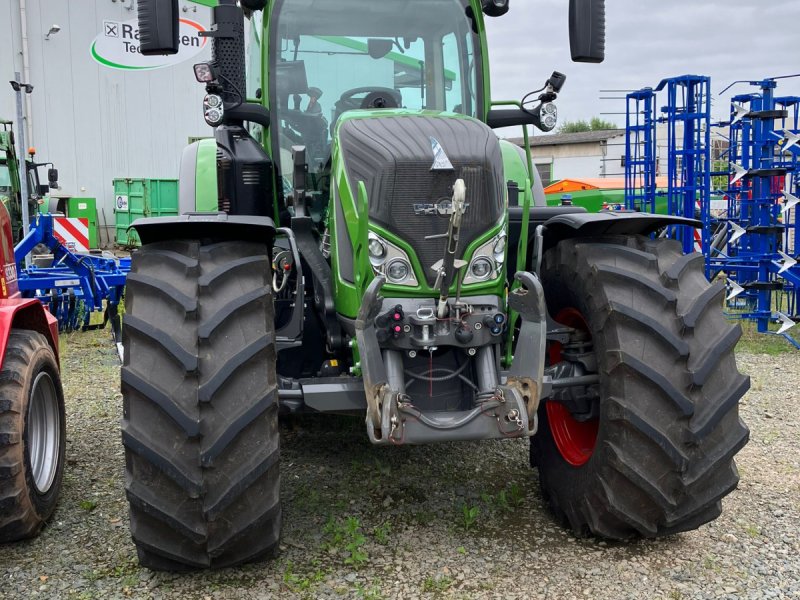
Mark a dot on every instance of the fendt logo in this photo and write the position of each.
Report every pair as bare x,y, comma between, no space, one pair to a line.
443,208
117,47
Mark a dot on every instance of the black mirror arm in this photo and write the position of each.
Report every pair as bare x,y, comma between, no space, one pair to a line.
509,117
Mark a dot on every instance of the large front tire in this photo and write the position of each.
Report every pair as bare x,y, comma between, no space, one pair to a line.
659,457
32,435
200,424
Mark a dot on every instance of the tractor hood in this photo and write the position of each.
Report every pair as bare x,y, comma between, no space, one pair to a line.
409,163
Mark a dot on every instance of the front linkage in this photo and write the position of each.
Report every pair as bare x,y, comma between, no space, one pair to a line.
504,407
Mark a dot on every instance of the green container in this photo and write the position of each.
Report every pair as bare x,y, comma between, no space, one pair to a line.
85,208
140,198
593,200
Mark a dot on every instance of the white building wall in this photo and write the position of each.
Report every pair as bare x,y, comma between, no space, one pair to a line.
585,160
612,165
576,167
10,61
96,123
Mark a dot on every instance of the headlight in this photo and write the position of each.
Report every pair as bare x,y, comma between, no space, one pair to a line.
487,261
213,109
377,250
548,116
398,270
391,261
481,268
500,248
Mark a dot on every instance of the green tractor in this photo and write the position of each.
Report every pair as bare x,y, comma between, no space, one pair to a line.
356,240
10,185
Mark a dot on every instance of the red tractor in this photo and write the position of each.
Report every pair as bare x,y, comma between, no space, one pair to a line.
32,423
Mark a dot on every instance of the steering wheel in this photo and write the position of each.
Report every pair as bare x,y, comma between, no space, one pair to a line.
376,97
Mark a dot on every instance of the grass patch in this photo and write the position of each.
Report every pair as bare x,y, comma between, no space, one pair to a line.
437,585
710,563
752,531
301,582
88,505
124,571
754,342
382,532
347,537
469,515
373,592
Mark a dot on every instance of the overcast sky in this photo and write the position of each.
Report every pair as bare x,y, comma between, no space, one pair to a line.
646,41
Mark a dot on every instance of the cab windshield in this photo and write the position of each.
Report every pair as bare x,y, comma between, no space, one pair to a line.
33,180
331,56
5,179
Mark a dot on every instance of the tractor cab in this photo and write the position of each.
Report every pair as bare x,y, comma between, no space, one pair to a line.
10,175
333,57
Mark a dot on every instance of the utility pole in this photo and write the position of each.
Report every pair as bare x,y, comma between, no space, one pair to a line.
19,88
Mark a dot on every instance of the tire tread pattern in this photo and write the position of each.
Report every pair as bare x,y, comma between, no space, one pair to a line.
670,390
23,512
200,407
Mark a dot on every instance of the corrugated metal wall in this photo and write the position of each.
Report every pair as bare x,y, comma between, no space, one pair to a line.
94,122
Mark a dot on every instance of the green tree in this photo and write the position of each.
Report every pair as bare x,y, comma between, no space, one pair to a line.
595,124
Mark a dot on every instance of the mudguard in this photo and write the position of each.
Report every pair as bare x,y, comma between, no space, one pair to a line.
205,225
574,225
28,313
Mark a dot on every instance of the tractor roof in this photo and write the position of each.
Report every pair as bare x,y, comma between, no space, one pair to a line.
582,137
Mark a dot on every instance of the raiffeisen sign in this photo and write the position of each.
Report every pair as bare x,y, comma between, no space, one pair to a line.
117,46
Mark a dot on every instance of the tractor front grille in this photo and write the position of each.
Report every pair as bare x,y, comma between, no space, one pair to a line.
393,156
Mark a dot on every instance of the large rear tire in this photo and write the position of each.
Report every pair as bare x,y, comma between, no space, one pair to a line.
659,457
32,435
200,424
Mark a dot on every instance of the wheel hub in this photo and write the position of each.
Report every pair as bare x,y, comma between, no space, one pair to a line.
44,433
575,439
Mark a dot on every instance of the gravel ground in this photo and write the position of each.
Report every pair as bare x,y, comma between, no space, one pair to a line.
364,522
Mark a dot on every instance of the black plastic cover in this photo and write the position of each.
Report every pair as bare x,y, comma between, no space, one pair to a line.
587,30
495,8
228,52
254,4
158,27
244,173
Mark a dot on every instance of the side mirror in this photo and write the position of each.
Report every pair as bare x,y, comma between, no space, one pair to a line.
254,5
494,8
52,178
587,30
43,190
158,27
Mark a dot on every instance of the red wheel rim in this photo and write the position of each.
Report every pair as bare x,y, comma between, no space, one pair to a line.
575,440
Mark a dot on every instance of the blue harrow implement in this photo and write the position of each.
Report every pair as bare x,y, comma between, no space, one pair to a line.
75,285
